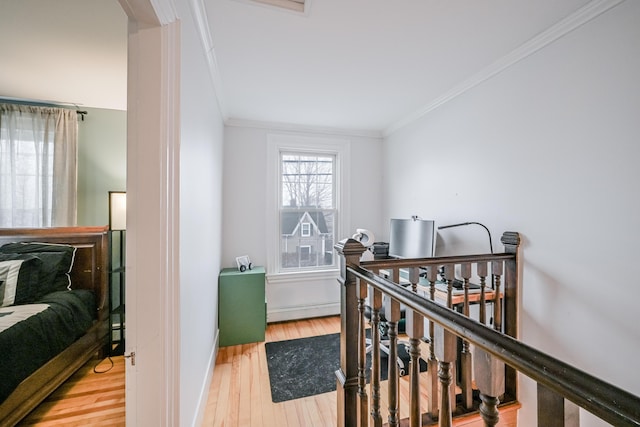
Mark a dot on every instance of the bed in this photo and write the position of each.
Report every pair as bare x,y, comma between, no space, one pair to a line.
35,290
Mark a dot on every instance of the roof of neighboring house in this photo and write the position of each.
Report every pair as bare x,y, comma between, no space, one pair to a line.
291,219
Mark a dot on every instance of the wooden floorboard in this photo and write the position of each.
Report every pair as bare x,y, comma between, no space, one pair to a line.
239,394
87,398
242,371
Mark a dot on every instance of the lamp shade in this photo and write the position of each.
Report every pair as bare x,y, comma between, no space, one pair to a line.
117,210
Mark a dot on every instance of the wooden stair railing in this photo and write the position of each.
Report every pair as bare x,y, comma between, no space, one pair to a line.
497,355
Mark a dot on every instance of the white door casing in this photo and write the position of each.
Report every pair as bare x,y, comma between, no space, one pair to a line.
152,262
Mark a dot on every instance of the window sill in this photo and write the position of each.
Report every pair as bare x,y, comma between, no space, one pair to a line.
303,275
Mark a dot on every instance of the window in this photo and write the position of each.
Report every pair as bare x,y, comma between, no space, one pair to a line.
38,154
29,173
308,203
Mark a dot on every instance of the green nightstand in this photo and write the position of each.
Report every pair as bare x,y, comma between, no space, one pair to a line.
242,307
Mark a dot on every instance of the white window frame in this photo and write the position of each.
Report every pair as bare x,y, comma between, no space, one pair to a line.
341,149
305,229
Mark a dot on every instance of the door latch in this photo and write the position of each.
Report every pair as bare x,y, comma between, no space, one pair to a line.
131,356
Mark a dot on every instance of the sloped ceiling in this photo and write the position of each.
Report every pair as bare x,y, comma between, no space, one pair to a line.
348,64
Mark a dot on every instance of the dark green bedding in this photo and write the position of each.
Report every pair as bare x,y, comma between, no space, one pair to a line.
58,319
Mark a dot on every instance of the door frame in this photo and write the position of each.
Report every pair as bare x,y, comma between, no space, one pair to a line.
152,247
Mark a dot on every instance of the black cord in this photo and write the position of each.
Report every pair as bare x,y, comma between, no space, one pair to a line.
95,368
469,223
493,277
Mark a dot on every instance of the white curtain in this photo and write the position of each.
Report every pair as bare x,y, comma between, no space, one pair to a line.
38,173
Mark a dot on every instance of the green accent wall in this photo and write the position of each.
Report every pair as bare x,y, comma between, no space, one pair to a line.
102,162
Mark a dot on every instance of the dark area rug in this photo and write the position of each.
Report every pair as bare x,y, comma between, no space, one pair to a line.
306,367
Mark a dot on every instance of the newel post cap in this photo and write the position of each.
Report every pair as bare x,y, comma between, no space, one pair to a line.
349,247
510,238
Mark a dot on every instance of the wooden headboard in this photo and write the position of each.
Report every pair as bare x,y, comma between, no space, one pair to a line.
91,262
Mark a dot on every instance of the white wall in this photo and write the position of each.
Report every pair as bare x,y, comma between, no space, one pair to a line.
246,227
548,148
201,135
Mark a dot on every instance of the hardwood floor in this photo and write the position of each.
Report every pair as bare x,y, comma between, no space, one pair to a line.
239,395
85,399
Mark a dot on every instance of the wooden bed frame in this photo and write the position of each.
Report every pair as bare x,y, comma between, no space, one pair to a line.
90,271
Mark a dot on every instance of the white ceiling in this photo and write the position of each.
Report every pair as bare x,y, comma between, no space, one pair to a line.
66,51
363,64
350,64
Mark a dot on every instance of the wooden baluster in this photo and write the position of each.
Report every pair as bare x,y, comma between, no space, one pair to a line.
392,312
446,347
489,410
489,374
415,330
363,407
482,269
432,364
465,272
449,276
496,270
414,278
376,305
465,356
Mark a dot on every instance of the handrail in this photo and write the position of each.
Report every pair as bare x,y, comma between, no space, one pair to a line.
608,402
423,262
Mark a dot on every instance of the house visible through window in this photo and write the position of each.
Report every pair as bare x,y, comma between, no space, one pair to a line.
307,210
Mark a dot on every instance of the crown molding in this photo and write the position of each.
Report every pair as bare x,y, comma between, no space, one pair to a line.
198,11
165,11
291,127
580,17
280,6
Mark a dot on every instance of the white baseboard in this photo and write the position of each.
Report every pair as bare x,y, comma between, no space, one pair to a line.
204,392
302,312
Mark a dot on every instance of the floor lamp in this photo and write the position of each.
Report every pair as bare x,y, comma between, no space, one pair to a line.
117,236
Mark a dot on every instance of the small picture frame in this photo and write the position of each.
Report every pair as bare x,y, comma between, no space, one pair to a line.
244,263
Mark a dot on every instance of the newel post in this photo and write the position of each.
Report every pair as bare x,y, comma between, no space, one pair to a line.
511,301
349,253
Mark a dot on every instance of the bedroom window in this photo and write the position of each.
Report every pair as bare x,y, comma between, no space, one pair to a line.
309,203
37,166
